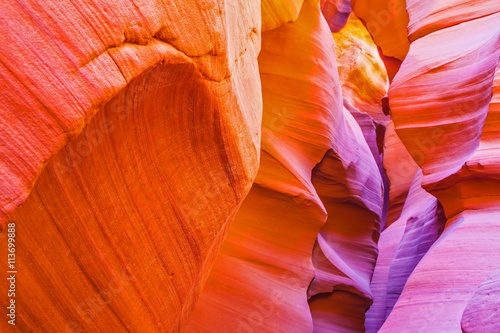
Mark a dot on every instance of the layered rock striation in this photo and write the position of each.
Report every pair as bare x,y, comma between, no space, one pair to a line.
130,135
307,172
233,166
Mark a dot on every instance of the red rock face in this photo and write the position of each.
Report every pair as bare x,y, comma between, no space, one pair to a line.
306,172
123,223
336,13
481,311
402,246
251,166
449,130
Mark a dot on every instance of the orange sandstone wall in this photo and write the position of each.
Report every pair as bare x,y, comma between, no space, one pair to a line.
140,123
232,166
443,103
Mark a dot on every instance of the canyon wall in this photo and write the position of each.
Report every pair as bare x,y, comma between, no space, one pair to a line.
130,136
443,102
252,166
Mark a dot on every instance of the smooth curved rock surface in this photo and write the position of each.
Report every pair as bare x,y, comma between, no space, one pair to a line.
275,13
387,246
401,249
85,53
361,71
426,17
387,22
476,184
400,170
132,134
260,279
373,132
336,13
461,173
481,313
424,224
123,208
266,257
338,311
349,183
444,281
440,111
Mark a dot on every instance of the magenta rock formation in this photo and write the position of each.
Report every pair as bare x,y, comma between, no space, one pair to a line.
274,166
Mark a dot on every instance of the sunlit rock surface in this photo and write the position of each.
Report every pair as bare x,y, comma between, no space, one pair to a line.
451,130
336,13
450,274
400,170
426,17
440,111
162,104
261,277
352,194
361,71
387,22
402,246
481,313
278,12
251,166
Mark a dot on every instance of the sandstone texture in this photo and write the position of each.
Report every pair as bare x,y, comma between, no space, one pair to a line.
325,166
450,131
135,130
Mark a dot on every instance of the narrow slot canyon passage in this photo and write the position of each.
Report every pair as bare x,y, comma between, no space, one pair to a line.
263,166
